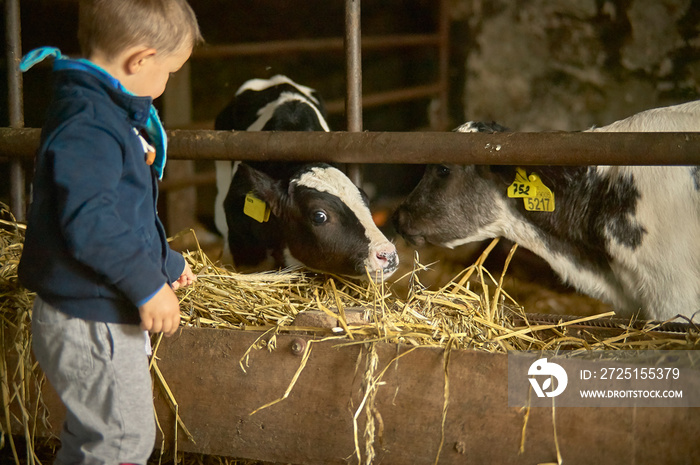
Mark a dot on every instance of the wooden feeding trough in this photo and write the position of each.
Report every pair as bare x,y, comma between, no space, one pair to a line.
315,424
318,379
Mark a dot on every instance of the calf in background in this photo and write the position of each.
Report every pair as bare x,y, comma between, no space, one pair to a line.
317,217
627,235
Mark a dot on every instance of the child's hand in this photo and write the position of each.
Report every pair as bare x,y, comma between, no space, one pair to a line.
185,279
161,313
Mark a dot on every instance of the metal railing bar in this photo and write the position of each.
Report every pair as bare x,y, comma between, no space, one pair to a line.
274,47
512,148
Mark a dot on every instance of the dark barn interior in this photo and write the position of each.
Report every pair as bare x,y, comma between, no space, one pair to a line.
537,65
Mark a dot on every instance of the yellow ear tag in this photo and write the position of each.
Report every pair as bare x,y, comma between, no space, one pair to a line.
536,196
521,187
543,201
256,208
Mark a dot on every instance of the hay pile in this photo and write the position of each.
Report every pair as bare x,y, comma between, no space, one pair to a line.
473,311
20,386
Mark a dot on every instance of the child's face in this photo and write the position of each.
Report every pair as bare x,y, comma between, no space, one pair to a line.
150,81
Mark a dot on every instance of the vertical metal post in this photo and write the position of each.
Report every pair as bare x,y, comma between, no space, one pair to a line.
181,211
13,40
444,65
353,63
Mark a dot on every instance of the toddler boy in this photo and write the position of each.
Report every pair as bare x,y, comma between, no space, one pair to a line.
96,252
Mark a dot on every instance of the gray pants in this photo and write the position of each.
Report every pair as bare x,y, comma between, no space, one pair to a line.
100,371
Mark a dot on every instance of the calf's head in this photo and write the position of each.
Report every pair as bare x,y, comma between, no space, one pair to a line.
326,222
455,204
451,205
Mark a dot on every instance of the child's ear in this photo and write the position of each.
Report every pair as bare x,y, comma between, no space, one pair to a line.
138,59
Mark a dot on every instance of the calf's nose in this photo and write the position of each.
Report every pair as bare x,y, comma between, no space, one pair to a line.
383,260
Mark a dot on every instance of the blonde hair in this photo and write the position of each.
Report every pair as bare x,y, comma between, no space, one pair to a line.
112,26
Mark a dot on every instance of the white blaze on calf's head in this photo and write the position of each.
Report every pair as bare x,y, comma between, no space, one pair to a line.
382,257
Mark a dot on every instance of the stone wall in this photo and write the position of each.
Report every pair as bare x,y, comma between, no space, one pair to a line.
569,64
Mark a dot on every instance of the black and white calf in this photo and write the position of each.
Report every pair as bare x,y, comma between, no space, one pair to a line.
319,219
628,235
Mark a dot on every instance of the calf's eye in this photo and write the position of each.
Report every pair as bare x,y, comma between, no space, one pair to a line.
319,217
443,171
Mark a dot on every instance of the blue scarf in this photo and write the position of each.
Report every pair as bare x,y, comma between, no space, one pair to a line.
154,128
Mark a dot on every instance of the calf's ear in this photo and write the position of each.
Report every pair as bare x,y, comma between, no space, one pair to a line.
266,188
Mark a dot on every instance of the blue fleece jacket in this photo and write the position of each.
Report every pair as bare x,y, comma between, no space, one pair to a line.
95,248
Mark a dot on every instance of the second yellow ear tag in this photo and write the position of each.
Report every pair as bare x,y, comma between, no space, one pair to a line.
256,208
536,196
543,201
